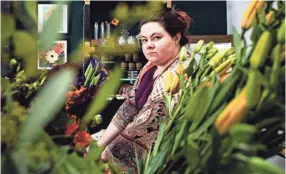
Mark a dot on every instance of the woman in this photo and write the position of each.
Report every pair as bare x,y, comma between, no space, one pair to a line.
136,123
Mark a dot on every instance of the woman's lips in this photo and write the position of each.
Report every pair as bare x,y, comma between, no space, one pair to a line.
152,53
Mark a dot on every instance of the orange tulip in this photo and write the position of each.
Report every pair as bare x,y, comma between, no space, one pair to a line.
221,79
82,139
233,113
72,127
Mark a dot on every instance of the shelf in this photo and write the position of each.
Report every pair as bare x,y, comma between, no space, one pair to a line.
108,62
126,79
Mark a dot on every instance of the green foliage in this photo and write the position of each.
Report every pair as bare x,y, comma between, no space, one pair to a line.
188,143
42,109
199,147
9,24
31,7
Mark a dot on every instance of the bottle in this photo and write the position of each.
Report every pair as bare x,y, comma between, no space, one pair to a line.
127,57
138,66
111,58
135,57
124,66
131,66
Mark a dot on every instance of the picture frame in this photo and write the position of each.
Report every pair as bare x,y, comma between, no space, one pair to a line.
56,55
45,10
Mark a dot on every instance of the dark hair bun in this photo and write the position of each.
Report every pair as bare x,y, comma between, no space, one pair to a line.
174,21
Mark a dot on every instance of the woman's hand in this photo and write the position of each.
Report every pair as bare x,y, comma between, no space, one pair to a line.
104,156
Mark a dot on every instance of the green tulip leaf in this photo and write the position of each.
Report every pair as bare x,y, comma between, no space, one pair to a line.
242,132
25,43
31,7
7,27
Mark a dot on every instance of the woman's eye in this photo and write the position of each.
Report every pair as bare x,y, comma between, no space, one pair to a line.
156,37
143,40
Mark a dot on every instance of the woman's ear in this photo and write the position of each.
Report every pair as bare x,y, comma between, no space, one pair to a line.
178,37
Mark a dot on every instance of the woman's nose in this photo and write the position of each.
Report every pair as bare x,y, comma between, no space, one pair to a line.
150,45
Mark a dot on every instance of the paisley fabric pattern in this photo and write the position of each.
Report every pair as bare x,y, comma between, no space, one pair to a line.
140,127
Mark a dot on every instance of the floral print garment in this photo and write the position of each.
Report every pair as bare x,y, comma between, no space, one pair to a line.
140,127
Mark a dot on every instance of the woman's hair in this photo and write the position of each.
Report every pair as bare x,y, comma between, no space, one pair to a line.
173,21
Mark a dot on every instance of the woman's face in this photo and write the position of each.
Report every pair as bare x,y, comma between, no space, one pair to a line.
157,44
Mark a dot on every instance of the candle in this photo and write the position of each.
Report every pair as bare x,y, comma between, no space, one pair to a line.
96,32
102,31
108,30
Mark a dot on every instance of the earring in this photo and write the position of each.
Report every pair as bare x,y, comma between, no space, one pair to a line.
177,39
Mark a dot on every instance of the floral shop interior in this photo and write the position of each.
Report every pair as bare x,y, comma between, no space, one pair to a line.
143,87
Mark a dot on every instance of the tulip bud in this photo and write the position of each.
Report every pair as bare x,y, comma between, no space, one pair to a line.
13,62
97,118
229,52
171,82
198,46
175,83
167,81
211,52
253,88
210,45
281,33
269,17
214,61
183,53
261,50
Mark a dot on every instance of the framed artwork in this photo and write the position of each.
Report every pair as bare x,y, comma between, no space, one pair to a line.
56,55
46,10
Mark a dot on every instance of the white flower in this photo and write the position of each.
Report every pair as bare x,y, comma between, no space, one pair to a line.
52,56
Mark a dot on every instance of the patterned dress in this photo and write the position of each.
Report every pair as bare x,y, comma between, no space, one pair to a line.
140,126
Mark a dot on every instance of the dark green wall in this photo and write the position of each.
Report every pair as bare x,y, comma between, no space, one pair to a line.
209,16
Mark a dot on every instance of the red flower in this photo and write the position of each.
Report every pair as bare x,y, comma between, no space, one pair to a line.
72,127
81,90
58,49
107,171
82,139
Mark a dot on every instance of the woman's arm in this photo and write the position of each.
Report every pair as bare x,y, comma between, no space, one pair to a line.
110,134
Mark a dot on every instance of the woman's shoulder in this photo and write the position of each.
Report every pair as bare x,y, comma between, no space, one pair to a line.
178,62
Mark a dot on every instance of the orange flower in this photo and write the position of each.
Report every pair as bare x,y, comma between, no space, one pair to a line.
115,22
72,127
233,113
82,139
221,79
78,92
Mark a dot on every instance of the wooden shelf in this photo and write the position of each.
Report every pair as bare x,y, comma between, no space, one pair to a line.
108,62
126,79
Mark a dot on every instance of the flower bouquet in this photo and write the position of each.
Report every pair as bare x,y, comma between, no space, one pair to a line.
87,82
65,126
